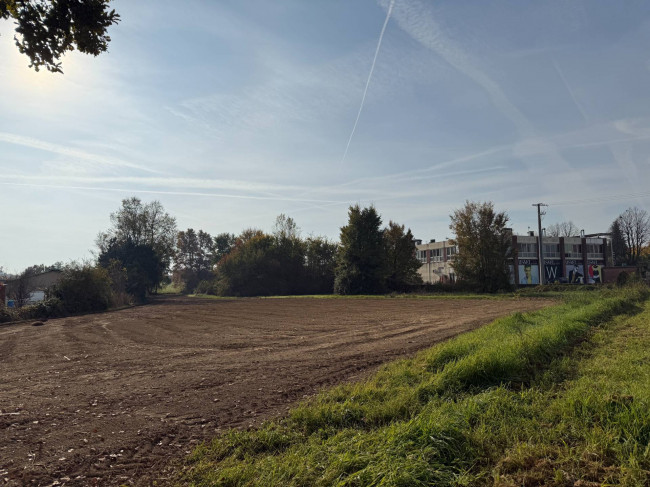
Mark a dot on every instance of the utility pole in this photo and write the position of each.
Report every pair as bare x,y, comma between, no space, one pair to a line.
540,251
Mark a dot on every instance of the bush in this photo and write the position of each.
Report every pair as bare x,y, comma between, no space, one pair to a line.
206,287
447,287
84,288
6,315
51,308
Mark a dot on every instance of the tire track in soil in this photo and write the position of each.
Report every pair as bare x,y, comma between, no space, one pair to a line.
111,399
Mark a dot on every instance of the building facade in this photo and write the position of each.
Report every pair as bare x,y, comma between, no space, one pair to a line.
436,260
575,260
566,260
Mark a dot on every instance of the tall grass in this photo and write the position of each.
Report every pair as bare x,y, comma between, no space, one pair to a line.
446,417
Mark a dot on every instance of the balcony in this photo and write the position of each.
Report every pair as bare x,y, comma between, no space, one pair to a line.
573,255
527,255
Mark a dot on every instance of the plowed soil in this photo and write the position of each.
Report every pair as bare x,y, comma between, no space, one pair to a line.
112,398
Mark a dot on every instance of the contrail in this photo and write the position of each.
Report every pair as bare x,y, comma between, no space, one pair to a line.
571,93
372,68
173,193
69,152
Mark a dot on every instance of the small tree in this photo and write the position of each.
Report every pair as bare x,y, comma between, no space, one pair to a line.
320,265
144,268
21,289
483,246
361,267
562,229
119,281
619,247
635,227
402,264
251,268
194,257
289,251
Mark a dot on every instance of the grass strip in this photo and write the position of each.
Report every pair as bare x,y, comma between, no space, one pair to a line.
446,417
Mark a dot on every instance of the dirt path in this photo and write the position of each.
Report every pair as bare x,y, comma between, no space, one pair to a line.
109,398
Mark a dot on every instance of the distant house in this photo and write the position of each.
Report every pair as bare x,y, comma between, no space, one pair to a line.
36,284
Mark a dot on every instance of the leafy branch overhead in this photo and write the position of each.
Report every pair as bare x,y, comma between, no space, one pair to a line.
45,30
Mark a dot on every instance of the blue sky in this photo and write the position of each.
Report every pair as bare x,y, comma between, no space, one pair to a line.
232,112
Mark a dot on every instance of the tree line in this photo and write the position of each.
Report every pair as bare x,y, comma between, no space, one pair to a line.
369,260
143,250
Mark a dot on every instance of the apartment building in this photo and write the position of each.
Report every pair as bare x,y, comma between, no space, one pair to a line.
566,260
436,259
577,260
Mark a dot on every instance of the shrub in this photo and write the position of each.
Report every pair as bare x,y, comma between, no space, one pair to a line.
84,288
206,287
51,308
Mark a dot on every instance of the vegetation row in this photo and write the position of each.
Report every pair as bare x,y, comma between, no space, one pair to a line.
143,250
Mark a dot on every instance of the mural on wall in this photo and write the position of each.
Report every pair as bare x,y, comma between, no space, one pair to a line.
552,272
575,273
528,274
595,273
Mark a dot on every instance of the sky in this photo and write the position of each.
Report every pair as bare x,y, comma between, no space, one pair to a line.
233,112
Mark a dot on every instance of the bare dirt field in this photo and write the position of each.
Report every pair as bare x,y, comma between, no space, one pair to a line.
112,398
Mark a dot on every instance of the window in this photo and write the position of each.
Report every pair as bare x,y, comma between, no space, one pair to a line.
552,251
422,256
436,255
527,250
594,251
451,252
573,251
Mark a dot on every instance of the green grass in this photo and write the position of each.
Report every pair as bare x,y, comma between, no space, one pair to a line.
171,288
548,398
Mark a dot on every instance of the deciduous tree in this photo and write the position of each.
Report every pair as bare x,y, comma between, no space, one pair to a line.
194,257
320,265
223,244
562,229
635,227
46,30
483,246
22,287
142,224
251,268
289,251
144,268
402,264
